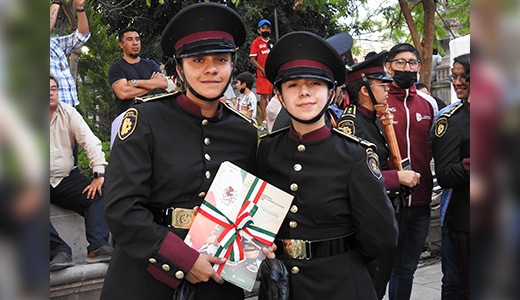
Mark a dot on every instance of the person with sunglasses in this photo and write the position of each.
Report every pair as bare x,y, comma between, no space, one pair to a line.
413,118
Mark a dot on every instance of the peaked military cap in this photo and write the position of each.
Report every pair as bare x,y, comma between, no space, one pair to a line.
302,54
203,28
342,42
373,68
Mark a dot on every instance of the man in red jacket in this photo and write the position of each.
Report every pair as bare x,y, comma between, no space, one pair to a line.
413,118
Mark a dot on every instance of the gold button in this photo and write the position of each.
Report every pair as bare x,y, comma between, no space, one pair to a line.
208,175
294,209
301,148
207,157
205,122
152,260
293,224
165,267
179,275
294,187
295,270
297,167
207,141
202,194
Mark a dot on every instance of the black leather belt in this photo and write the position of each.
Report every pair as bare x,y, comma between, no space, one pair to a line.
174,217
306,250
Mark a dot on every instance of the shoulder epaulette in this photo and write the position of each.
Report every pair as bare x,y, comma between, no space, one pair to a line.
236,112
346,120
148,98
355,138
273,133
350,111
448,113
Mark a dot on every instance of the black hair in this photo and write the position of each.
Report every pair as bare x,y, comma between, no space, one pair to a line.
435,51
122,32
403,47
55,80
421,85
464,61
370,54
247,78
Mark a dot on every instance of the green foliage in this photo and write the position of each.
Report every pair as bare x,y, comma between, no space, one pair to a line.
83,162
96,97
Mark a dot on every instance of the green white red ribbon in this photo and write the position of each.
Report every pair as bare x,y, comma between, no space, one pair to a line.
230,240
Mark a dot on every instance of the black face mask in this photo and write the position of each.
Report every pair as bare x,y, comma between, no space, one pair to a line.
265,34
405,79
242,90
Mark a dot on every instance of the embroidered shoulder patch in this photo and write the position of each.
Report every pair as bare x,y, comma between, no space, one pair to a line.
347,126
441,126
373,163
128,124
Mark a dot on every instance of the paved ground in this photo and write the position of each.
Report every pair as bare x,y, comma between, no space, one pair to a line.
426,284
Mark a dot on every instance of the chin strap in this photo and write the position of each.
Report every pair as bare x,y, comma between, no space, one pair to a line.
194,92
367,85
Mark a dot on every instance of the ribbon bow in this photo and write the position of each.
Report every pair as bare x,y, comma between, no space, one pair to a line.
230,240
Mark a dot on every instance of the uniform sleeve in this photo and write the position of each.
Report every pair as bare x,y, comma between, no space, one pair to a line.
451,169
88,141
372,212
128,193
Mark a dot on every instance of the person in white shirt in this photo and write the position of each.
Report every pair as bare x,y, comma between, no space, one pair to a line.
246,101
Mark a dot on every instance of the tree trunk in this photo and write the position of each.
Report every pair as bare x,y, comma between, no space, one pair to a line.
424,46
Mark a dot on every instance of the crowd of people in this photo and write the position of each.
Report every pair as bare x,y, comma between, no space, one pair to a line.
361,175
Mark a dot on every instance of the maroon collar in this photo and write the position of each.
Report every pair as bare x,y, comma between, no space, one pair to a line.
193,108
366,112
399,93
313,136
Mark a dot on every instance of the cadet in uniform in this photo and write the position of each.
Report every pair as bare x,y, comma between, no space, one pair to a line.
340,217
366,87
164,159
450,141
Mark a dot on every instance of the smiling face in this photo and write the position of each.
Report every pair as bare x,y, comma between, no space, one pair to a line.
305,98
207,74
460,85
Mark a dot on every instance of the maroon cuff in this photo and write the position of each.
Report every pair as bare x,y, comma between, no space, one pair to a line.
391,179
465,163
172,261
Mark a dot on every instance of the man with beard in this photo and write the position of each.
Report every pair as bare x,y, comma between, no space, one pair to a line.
413,117
132,76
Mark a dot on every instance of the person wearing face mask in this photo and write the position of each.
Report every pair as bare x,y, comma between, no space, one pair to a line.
341,217
164,159
260,48
246,101
366,87
413,119
451,149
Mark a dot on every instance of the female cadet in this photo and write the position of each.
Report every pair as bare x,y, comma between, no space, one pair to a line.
165,157
366,86
340,217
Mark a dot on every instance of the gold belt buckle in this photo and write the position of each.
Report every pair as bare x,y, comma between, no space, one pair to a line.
294,249
183,217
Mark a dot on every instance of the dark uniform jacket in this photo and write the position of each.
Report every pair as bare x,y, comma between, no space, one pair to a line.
338,190
359,121
166,155
451,151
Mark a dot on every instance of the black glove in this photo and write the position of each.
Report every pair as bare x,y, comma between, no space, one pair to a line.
185,291
274,280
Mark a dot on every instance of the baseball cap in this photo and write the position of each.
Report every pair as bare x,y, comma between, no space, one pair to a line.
263,22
